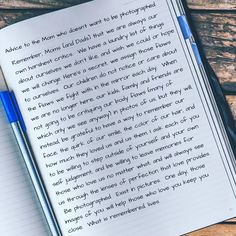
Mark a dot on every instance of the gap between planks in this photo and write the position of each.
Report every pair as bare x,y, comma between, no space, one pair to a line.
53,4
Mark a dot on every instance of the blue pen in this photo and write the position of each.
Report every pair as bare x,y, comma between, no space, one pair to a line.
15,119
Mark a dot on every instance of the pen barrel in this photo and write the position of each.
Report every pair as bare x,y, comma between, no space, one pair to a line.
36,178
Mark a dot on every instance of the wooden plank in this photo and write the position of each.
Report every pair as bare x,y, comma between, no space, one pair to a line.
212,4
217,32
232,103
10,17
29,4
231,221
216,230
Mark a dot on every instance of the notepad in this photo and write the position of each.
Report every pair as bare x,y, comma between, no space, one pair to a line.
20,213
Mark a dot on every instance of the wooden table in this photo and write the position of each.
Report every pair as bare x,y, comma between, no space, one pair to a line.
215,23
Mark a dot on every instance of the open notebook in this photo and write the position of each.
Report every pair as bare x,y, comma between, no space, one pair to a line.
124,124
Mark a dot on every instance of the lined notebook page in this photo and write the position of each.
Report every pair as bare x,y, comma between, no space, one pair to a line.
20,213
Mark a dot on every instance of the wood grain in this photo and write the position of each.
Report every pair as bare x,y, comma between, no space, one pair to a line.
232,103
10,17
231,221
29,4
212,4
216,230
217,32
